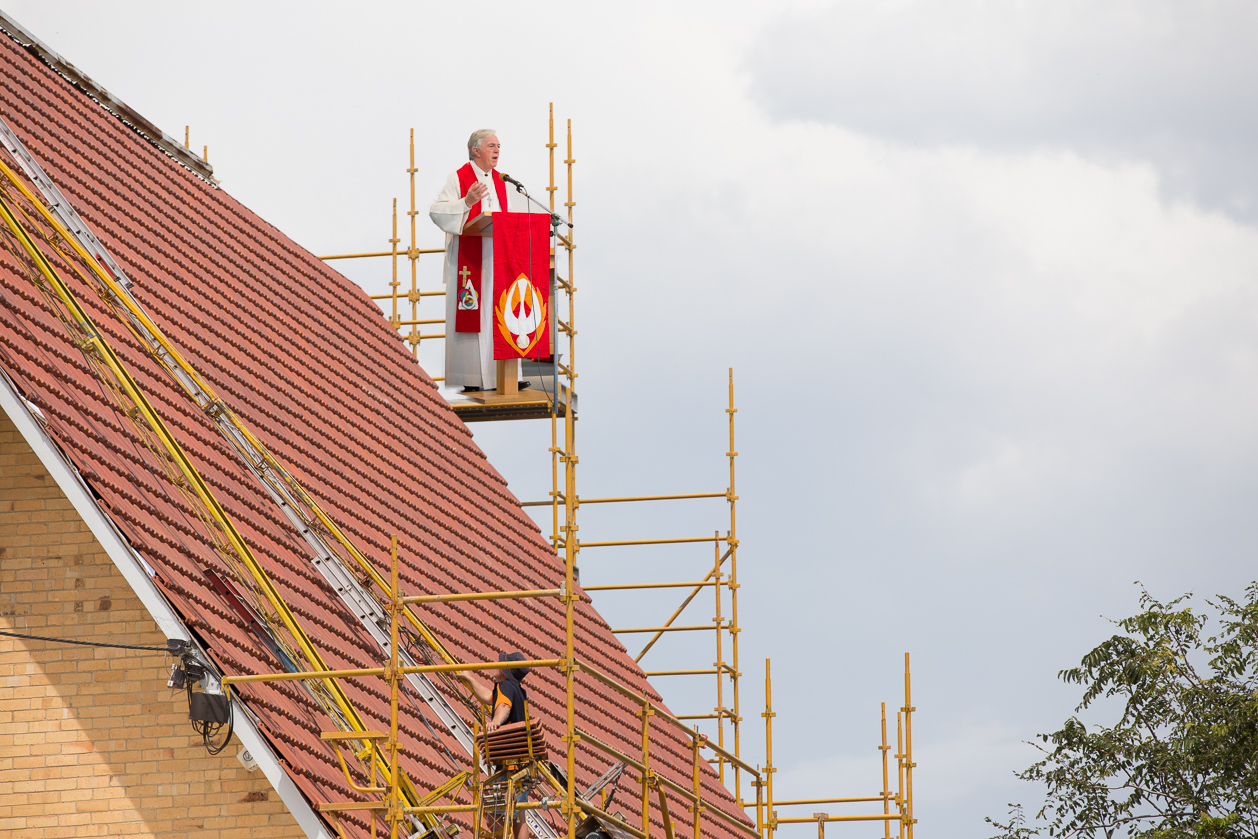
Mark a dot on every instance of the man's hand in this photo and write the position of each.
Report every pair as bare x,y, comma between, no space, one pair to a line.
492,726
477,191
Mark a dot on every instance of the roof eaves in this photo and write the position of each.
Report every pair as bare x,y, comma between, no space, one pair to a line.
137,574
106,100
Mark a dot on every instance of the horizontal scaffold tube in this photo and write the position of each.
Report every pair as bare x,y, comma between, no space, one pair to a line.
405,253
634,586
483,595
627,498
408,294
807,820
669,628
379,671
862,799
684,540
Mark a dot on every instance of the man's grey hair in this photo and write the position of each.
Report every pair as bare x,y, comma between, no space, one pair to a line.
477,138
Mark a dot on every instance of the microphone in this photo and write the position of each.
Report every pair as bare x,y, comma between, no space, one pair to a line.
555,219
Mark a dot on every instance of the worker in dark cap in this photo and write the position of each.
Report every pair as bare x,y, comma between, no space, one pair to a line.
508,703
504,696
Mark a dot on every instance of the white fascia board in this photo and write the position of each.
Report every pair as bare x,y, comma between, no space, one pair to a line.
136,572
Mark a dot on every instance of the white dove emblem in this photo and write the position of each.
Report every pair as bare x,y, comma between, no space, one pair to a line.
524,320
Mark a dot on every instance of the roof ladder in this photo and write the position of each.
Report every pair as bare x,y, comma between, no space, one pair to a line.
57,202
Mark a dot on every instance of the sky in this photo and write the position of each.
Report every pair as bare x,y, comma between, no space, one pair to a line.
986,273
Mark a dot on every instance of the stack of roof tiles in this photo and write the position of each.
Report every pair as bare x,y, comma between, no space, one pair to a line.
511,743
306,359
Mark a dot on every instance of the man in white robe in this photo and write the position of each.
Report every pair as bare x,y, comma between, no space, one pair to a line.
470,355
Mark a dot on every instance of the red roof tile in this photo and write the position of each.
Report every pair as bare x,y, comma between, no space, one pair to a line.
307,360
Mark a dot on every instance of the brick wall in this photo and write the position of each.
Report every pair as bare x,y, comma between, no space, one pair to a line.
92,742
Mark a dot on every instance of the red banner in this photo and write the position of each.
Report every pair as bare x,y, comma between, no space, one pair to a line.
467,294
521,285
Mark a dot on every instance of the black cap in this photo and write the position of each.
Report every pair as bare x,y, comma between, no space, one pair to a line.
516,673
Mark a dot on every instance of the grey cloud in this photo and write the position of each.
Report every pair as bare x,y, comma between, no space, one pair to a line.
1172,84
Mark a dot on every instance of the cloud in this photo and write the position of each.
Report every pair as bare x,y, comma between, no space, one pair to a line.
1171,83
986,375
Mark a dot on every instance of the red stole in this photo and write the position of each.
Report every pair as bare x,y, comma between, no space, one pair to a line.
470,257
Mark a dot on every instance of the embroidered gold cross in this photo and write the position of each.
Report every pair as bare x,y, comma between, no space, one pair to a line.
464,273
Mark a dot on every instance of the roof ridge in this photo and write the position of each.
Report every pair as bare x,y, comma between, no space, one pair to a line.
97,92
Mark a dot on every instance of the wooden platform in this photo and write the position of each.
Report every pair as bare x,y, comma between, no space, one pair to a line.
486,406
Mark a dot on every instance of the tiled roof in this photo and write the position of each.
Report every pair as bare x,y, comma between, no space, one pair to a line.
306,359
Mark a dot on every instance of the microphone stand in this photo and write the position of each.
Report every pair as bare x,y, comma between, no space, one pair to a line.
555,218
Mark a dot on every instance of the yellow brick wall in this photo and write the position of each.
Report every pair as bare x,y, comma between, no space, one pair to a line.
92,742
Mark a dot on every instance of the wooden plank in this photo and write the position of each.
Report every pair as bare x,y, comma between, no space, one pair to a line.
482,225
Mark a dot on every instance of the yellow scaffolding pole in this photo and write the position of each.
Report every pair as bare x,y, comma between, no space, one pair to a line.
731,540
899,768
771,819
886,789
908,748
571,547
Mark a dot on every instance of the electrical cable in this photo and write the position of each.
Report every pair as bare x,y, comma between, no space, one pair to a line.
165,649
554,344
208,729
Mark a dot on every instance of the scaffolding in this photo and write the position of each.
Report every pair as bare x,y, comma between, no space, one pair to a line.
901,799
498,788
567,544
30,227
387,781
725,550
